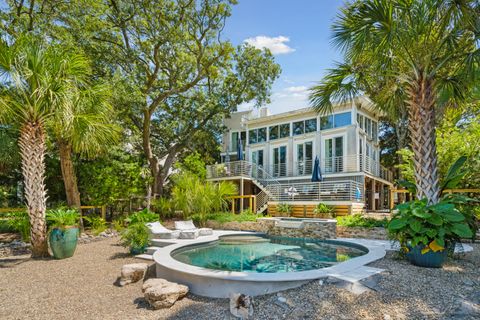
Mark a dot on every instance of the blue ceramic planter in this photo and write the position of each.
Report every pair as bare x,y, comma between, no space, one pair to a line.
63,242
428,260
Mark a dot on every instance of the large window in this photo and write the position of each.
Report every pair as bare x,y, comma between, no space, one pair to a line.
360,120
234,141
301,127
336,120
273,133
284,130
342,119
257,135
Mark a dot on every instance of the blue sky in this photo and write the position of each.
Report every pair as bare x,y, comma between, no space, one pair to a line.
298,33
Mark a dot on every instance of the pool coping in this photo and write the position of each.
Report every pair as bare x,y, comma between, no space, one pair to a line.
163,257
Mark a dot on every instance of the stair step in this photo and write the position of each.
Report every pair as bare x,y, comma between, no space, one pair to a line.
152,249
144,256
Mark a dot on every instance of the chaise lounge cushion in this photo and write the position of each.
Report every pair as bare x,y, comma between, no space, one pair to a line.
188,225
160,232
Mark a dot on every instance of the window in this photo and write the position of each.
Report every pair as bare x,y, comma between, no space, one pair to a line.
342,119
310,125
252,136
360,120
326,122
234,141
368,126
273,134
284,130
298,128
374,131
257,135
307,126
262,134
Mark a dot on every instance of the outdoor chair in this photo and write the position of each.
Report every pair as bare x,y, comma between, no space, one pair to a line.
157,231
189,231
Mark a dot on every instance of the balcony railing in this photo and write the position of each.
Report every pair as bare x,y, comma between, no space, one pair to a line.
317,191
343,164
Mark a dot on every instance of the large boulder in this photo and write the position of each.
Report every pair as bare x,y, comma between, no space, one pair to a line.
241,305
161,293
132,273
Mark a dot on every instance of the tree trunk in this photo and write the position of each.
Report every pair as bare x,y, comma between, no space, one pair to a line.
69,176
422,130
32,150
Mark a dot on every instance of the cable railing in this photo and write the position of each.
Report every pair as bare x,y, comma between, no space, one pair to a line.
318,191
342,164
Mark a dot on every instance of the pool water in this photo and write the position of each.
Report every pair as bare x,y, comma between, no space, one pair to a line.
268,254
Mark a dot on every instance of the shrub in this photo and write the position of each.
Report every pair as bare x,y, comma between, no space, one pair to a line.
164,207
97,224
136,237
324,211
19,222
143,216
61,218
284,208
357,220
224,217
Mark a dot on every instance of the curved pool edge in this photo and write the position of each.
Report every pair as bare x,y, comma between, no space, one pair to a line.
219,284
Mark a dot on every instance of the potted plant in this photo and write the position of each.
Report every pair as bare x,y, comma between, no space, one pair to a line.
63,233
285,209
425,232
324,211
136,237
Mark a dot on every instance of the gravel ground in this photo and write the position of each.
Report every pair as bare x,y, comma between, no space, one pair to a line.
83,287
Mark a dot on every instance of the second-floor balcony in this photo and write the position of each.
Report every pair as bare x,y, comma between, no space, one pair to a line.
333,165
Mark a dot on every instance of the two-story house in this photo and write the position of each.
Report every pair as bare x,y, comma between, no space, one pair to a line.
279,152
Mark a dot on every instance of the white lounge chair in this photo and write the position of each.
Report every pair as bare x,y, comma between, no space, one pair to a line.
157,231
189,231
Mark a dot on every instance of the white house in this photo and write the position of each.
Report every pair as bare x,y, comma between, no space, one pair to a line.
279,154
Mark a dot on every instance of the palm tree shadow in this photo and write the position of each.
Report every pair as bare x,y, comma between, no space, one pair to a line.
120,255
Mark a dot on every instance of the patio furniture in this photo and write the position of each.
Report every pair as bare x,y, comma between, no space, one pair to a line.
157,231
189,231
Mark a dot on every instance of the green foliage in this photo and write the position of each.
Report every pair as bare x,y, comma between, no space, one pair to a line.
164,207
61,218
194,196
285,208
119,223
19,222
432,226
136,235
117,175
405,167
143,216
194,163
324,211
96,224
357,220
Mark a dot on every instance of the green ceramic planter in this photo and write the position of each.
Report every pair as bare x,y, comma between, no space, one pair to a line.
428,260
137,250
63,242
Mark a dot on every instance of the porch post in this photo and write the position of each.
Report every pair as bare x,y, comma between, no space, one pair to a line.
241,195
372,195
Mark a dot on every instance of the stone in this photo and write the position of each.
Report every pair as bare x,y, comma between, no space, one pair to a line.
161,293
241,305
282,299
132,273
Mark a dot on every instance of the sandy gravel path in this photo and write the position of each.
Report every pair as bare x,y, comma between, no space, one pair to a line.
83,287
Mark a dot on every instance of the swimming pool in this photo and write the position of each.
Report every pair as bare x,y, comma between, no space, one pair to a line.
267,254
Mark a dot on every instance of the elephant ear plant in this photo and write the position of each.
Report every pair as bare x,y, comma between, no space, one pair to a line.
426,231
137,236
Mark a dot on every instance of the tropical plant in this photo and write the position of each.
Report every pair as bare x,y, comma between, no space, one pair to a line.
136,236
415,56
357,220
41,82
433,227
164,207
285,208
19,221
194,196
96,224
143,216
62,218
323,210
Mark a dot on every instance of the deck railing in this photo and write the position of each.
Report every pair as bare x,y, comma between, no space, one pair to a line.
317,191
343,164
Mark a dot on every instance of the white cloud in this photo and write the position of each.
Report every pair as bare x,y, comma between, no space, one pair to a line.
298,89
294,91
276,45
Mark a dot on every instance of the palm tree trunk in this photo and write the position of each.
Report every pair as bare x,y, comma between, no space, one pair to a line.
32,149
69,176
422,130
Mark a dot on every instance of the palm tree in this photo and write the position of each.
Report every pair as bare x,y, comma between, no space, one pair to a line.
88,131
39,83
418,55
